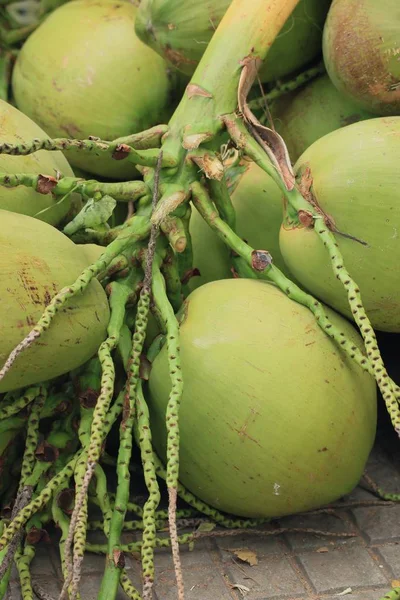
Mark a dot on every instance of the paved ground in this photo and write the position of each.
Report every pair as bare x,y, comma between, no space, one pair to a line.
292,566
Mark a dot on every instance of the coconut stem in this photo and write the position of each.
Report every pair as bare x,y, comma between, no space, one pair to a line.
114,563
115,150
23,561
41,500
143,436
20,403
120,292
125,191
172,415
354,296
394,594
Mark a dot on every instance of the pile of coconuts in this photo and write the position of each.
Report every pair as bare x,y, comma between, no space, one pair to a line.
199,249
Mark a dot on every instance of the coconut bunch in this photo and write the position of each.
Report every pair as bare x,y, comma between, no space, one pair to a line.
196,301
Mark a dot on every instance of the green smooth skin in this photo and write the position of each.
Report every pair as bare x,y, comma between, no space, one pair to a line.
274,418
361,48
36,261
84,72
303,117
355,173
91,252
259,212
15,127
179,30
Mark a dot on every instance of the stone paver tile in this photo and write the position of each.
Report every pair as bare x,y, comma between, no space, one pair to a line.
44,561
391,555
260,544
201,555
374,594
379,523
272,577
51,585
341,568
204,583
358,493
90,585
386,475
322,522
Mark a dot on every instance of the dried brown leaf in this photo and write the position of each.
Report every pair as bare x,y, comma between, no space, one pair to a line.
246,555
271,142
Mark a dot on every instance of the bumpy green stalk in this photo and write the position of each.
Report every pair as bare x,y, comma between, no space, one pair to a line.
364,324
61,520
17,405
172,413
115,149
113,569
120,291
25,490
39,502
23,561
394,594
143,434
126,191
128,587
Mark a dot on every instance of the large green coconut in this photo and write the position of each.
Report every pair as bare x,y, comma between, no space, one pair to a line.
179,30
355,180
84,72
36,261
361,47
274,418
259,211
315,110
17,128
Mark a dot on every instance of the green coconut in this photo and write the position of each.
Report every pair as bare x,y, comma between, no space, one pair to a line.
303,117
84,72
355,180
17,128
179,30
259,212
361,48
274,418
91,252
36,261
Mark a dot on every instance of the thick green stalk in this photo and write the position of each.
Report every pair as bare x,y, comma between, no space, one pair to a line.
147,157
143,435
126,191
114,563
38,503
172,413
394,594
15,406
246,30
23,560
